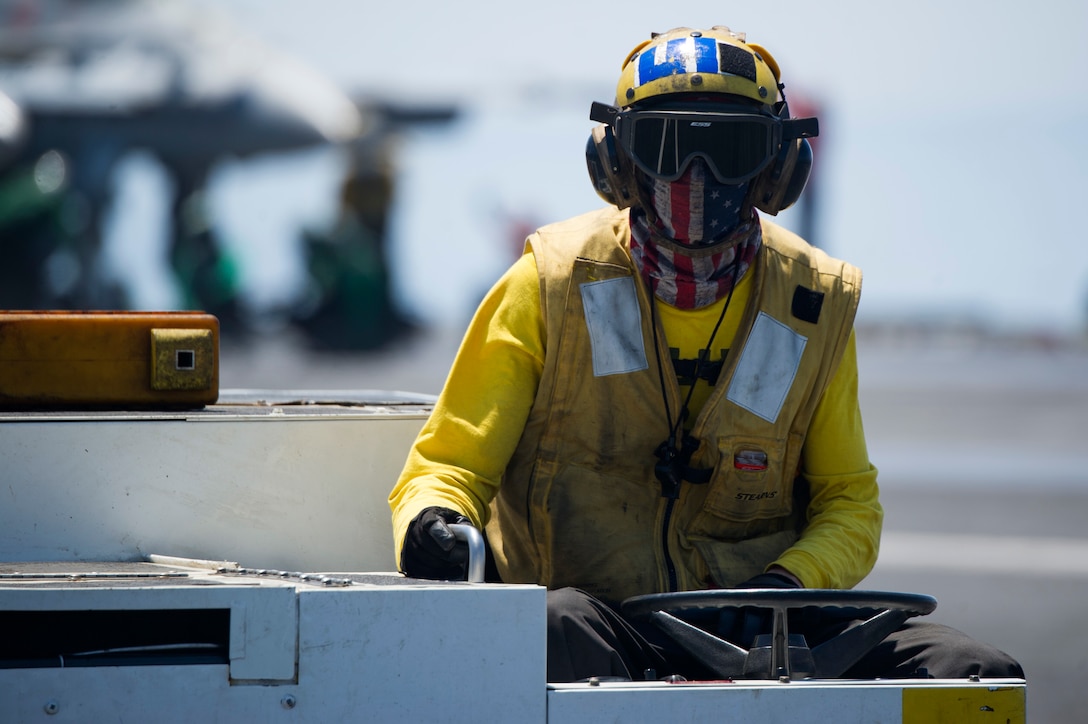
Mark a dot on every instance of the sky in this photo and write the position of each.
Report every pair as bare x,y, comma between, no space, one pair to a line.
952,157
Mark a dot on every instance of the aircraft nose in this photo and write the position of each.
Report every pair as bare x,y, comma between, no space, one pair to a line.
292,106
12,129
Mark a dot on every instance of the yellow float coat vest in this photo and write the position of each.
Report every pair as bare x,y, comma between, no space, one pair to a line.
580,504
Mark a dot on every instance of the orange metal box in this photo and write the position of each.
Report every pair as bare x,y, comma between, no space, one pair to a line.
108,359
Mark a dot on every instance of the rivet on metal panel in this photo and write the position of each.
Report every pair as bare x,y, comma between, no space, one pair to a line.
289,701
51,707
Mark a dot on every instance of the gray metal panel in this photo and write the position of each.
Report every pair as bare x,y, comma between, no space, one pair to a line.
380,649
296,487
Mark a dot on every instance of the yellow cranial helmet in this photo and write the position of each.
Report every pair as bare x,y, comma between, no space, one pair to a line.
685,60
705,94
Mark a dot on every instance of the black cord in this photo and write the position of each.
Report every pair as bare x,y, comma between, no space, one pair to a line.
670,448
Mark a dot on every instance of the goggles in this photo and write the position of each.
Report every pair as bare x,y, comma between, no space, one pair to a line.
735,142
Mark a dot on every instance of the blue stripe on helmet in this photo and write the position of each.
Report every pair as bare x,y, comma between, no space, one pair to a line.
706,55
683,55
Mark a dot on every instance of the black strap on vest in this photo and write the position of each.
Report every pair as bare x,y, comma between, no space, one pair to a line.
672,463
686,369
675,466
696,476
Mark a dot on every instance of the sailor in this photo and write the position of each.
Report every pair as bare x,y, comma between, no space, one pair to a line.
661,395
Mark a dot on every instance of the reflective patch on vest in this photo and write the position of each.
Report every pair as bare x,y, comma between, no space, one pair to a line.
615,326
766,368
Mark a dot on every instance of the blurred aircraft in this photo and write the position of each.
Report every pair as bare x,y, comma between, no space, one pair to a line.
12,129
92,81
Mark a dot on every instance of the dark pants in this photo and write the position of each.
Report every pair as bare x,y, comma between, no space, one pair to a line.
588,638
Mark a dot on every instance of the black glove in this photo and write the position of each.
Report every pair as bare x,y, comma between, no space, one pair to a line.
431,550
742,625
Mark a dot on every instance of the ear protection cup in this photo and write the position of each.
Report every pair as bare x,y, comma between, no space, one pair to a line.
780,185
798,178
607,168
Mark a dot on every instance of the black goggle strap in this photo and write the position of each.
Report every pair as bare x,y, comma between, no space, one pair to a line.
603,113
794,128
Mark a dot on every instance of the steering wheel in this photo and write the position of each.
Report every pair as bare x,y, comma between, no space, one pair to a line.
779,655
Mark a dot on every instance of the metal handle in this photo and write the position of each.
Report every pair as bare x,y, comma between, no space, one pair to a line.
476,551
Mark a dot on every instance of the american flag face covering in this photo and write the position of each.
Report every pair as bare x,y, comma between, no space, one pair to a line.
687,255
696,209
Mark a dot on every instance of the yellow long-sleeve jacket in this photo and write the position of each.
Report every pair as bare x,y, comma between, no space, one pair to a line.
491,404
